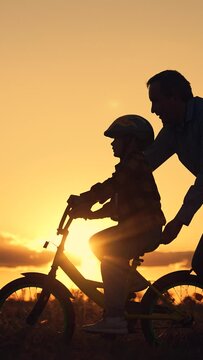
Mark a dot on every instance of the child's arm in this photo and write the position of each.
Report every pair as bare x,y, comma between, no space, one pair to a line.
100,192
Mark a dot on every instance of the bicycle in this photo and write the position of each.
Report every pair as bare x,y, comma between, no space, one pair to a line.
171,309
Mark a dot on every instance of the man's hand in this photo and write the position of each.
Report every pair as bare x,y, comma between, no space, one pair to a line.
171,231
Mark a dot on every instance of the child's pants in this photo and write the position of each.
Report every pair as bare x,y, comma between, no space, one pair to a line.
115,251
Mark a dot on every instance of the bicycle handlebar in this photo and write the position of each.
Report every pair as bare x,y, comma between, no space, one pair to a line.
64,228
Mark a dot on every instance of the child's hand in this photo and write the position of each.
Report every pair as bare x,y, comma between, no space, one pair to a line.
73,200
81,211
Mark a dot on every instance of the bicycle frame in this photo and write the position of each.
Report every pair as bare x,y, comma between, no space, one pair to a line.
91,287
88,287
166,309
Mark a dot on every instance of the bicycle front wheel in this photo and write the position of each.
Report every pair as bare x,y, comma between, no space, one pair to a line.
17,299
183,321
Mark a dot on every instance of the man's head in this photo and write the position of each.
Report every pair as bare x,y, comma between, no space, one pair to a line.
127,128
169,93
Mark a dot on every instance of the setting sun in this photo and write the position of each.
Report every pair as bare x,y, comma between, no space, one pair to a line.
68,69
78,247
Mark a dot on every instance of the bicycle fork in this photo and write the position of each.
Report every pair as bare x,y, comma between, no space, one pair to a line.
41,303
38,308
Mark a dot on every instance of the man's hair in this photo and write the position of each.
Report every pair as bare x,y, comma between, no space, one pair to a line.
172,83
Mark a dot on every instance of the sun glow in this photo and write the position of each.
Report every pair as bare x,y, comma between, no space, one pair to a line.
77,246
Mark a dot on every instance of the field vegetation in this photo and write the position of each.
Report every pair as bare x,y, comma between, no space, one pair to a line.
92,347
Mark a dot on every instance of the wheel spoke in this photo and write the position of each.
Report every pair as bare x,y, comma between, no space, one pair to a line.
17,301
186,294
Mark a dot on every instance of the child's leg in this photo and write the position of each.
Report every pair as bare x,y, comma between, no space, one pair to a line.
115,273
104,243
114,250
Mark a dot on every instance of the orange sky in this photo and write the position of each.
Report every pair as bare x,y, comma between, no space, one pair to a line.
68,69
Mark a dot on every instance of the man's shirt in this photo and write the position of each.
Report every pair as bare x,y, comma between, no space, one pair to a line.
186,141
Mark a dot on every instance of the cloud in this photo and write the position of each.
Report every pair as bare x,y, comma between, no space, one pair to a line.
13,254
158,258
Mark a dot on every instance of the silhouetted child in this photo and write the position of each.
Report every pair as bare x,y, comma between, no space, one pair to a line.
131,198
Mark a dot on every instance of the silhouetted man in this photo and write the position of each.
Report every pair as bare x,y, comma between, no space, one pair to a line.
182,116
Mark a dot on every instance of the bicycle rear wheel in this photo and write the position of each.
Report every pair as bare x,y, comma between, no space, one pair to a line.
185,293
56,322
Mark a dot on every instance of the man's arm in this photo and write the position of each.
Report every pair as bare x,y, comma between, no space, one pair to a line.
161,149
192,202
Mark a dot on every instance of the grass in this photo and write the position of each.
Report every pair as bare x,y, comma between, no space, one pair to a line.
91,347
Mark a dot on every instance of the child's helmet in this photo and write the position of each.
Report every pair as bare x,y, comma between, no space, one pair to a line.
132,125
